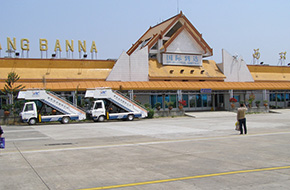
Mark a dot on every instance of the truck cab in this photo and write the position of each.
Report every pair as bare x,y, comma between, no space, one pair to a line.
98,111
102,110
46,106
111,104
37,112
29,113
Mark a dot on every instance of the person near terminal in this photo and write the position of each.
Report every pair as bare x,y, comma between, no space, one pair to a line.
2,139
1,131
241,117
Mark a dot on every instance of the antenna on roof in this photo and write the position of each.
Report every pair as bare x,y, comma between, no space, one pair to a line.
177,6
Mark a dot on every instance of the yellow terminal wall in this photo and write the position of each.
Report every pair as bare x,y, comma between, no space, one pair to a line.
55,69
264,73
208,72
69,75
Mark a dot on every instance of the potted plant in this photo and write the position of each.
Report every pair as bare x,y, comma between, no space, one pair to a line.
181,103
258,103
233,100
251,99
170,105
250,103
7,109
265,103
158,106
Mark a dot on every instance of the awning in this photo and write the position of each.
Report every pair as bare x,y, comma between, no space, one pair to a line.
156,85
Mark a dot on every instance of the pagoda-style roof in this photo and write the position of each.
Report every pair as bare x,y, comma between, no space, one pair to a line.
168,31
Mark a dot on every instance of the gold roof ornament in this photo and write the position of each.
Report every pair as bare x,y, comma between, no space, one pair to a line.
282,58
256,56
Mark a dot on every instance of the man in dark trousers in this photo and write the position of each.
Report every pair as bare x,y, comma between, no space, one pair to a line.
2,141
1,131
241,117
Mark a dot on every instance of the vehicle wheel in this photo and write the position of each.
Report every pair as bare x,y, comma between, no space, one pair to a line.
101,118
32,121
65,120
130,117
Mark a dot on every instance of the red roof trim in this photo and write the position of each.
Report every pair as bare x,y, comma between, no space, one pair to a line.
171,24
173,37
200,35
178,32
196,39
195,34
153,41
135,46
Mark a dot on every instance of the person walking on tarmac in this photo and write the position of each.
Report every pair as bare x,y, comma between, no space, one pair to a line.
2,140
1,131
241,117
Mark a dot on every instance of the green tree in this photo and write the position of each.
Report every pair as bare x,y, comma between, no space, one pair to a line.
11,89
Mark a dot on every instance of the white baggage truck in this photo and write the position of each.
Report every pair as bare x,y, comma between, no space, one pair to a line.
111,104
47,106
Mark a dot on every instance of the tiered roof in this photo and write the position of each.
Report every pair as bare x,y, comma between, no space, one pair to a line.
171,28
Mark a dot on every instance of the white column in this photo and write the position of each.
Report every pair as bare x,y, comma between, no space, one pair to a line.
264,94
231,93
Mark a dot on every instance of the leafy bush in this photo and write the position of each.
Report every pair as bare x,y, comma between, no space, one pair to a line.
147,105
150,113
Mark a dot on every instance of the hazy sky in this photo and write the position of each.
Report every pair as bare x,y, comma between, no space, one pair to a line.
237,26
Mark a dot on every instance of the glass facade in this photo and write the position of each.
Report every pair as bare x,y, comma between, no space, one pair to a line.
237,97
156,98
172,99
281,97
190,101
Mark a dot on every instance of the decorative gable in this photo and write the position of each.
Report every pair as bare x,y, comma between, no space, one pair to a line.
184,43
175,38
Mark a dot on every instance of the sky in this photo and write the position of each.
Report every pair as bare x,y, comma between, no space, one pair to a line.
238,26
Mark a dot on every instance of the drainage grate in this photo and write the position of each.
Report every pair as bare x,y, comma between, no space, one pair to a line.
58,144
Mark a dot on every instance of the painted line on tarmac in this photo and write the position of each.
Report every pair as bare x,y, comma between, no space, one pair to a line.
140,143
27,139
187,178
20,131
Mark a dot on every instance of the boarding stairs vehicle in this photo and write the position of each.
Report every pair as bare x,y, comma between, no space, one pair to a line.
46,106
111,104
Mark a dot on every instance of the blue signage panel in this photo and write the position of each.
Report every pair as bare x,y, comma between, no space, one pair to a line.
205,90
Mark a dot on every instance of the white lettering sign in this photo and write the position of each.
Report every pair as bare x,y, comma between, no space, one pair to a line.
182,59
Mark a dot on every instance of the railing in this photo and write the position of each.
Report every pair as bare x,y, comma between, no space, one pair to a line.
65,100
130,100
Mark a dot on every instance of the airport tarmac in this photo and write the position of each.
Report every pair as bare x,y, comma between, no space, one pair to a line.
198,152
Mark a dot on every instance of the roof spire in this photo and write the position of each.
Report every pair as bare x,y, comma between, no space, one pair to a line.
178,11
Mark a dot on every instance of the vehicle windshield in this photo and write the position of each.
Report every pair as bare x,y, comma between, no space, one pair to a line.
97,105
28,107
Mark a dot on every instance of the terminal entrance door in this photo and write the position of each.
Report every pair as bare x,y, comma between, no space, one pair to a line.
199,102
219,102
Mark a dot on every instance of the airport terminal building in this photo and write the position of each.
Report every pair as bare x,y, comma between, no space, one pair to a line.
168,63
